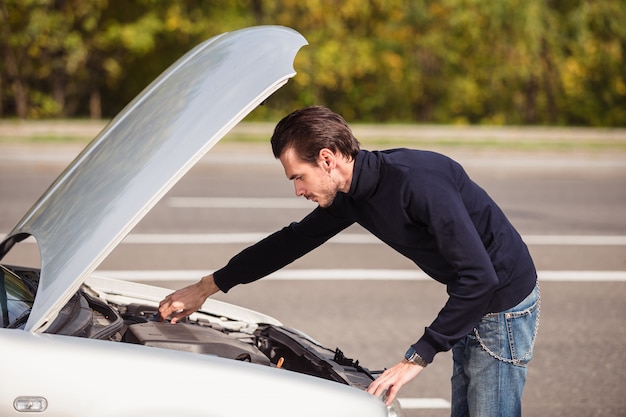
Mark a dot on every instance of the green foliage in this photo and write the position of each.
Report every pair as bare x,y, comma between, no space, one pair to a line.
594,74
558,62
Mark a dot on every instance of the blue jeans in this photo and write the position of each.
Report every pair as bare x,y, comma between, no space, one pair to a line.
490,364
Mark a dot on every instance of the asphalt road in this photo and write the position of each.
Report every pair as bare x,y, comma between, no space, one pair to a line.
367,300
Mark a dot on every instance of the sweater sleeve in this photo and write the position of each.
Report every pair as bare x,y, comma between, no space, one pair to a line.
280,249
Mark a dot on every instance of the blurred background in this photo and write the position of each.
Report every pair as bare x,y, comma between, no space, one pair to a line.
505,62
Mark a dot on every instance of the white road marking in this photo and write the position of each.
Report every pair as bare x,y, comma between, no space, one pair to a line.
344,238
355,274
357,238
423,403
236,202
351,275
575,240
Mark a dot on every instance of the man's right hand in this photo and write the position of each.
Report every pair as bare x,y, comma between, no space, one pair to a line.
187,300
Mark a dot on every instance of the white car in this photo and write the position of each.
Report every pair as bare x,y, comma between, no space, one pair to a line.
76,344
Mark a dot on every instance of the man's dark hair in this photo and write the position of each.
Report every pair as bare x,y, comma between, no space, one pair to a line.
309,130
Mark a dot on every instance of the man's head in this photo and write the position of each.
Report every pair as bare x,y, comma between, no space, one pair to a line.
311,129
317,150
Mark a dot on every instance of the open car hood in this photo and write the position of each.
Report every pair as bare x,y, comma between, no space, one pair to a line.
143,152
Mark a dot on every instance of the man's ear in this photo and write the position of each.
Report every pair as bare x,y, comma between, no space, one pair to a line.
327,158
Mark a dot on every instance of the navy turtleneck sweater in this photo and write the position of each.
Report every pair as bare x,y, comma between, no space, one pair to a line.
425,206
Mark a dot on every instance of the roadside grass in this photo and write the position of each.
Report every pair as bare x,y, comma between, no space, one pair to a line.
521,139
525,145
43,139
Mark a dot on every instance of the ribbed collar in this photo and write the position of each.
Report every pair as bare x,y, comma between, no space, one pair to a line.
365,175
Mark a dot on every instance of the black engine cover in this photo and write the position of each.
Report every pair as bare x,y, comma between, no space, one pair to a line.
193,338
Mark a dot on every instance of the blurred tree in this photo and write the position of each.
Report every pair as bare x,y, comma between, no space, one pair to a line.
594,68
356,63
46,42
12,43
494,61
435,61
464,61
151,34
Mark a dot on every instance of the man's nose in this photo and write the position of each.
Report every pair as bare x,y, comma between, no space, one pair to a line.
299,189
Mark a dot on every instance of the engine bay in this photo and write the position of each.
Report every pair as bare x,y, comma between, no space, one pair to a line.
268,345
86,315
196,339
100,315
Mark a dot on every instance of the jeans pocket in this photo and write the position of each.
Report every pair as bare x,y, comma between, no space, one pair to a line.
510,336
521,327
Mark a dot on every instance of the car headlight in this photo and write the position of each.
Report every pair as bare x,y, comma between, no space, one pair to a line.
395,410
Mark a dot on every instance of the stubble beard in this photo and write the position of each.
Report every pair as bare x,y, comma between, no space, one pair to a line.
328,199
329,191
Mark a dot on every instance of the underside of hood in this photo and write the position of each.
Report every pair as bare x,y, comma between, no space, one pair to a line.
144,151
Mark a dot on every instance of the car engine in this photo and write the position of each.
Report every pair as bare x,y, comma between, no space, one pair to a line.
87,315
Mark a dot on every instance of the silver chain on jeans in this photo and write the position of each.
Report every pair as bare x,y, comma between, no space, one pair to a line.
532,343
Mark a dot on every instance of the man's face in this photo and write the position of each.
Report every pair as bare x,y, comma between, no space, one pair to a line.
314,182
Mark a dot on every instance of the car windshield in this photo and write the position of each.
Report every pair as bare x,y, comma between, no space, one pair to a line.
16,300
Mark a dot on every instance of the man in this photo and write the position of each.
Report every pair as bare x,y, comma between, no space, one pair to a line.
425,206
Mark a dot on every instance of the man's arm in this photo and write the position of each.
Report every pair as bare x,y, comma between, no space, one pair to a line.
255,262
280,249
